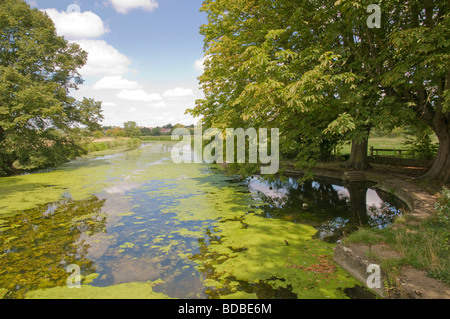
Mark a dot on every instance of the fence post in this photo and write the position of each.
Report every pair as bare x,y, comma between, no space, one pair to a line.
371,151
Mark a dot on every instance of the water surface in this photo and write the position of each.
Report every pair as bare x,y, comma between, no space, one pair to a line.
140,226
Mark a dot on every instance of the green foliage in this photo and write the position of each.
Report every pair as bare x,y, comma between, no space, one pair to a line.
116,143
314,69
131,129
97,134
443,209
156,138
145,131
115,132
263,71
386,132
37,71
156,131
419,142
366,236
424,248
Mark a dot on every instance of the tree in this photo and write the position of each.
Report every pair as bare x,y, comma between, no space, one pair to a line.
270,64
418,139
115,132
145,131
319,72
37,71
405,62
131,129
420,71
156,131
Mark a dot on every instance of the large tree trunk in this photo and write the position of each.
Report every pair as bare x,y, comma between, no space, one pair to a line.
440,169
358,156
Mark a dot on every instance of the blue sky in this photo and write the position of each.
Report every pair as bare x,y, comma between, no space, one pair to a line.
144,55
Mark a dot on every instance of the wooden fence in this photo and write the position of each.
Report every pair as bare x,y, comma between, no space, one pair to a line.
396,152
396,157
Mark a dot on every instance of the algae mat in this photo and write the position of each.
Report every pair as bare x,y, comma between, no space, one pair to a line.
139,226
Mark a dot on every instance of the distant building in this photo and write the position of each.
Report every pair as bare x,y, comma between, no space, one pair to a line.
165,130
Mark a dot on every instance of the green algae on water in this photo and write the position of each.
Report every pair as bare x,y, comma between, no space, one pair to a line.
135,290
241,246
36,252
259,254
79,179
192,229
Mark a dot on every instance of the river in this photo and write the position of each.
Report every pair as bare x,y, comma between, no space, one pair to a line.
137,225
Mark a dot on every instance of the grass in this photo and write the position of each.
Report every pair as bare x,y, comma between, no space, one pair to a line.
377,142
103,145
396,143
425,245
156,138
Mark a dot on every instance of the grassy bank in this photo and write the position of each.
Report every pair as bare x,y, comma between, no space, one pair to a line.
377,143
397,143
107,144
424,245
156,138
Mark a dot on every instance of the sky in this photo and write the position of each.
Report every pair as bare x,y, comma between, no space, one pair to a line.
144,56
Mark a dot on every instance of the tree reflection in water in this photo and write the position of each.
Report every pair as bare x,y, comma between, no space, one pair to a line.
334,210
37,245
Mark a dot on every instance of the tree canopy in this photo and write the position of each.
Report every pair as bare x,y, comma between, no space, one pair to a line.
37,71
131,129
321,73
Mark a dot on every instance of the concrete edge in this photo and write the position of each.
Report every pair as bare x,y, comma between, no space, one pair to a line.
353,258
356,264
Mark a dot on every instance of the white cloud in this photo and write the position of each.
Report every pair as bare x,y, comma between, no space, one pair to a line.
199,65
103,59
115,83
139,95
161,104
124,6
178,93
109,104
77,25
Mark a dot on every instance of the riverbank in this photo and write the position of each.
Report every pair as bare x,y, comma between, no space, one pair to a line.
401,276
104,144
